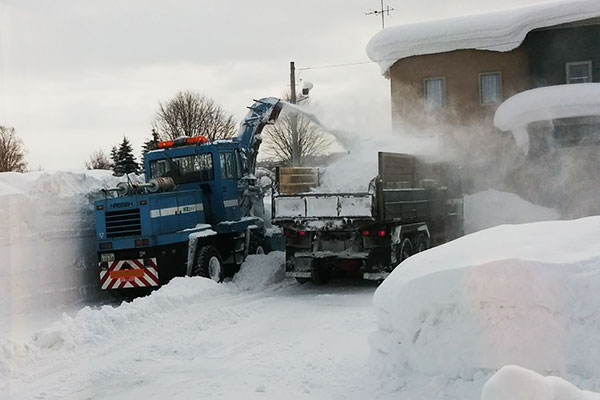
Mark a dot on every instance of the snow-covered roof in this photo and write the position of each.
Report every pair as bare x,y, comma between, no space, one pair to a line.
501,31
544,104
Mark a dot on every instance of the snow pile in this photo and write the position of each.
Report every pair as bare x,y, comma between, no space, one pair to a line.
516,383
502,30
261,271
93,326
515,294
47,246
492,208
546,104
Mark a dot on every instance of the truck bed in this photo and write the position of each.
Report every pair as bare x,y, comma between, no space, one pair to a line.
307,206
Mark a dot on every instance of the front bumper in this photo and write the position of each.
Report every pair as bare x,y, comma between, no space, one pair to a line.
132,273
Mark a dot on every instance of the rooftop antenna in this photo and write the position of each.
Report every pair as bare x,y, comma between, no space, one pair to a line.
383,12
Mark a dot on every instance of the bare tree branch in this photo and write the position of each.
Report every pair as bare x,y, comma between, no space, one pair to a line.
12,152
98,160
192,114
312,140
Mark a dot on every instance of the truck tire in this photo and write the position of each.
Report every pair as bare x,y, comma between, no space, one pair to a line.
302,281
321,272
422,243
257,245
208,264
405,250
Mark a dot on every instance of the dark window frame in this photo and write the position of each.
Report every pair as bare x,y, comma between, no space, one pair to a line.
570,64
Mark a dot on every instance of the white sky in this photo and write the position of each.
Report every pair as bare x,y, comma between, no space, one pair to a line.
76,76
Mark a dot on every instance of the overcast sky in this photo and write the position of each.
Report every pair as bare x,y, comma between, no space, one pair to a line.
77,75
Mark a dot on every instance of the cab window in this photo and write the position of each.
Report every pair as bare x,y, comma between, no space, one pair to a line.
194,168
227,167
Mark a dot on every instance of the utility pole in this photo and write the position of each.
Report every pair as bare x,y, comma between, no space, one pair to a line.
383,12
294,118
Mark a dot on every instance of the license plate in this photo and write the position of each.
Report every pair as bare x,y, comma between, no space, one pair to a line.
107,257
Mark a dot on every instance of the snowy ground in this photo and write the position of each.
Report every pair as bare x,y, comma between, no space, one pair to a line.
442,324
250,339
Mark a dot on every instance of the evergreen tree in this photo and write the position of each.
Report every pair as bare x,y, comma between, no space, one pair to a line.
149,145
113,158
125,160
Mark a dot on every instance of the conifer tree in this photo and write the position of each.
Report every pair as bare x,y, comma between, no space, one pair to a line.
125,160
149,145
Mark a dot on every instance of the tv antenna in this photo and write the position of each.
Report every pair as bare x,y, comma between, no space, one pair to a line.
383,11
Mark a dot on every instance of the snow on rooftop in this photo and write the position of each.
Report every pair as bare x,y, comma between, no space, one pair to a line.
546,104
501,31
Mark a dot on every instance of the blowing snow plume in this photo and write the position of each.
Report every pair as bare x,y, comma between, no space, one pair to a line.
353,172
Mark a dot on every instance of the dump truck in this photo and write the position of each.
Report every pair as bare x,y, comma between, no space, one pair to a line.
410,206
199,211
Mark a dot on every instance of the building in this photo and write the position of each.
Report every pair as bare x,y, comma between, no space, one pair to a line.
453,77
456,72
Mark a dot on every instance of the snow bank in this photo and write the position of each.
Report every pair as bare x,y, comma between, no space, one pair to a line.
47,247
90,327
516,383
260,271
492,208
515,294
546,104
502,31
94,326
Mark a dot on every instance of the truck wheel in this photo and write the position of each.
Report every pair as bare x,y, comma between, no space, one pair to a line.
302,281
422,243
405,251
256,245
208,264
321,273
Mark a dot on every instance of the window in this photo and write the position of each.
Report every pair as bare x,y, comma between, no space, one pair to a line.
435,92
194,168
579,72
227,170
490,88
238,164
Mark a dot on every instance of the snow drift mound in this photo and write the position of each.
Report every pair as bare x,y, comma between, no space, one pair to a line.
261,271
47,247
515,294
492,208
516,383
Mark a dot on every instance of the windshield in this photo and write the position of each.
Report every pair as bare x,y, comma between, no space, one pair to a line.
194,168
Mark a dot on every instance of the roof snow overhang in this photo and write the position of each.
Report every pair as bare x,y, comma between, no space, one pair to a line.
546,104
501,31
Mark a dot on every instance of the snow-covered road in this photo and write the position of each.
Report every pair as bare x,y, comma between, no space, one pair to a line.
199,340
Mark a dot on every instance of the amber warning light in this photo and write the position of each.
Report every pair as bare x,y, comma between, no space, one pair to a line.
182,141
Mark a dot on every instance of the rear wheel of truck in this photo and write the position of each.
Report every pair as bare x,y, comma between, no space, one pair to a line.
321,272
422,243
208,264
302,281
405,250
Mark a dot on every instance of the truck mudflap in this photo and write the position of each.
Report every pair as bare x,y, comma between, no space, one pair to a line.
134,273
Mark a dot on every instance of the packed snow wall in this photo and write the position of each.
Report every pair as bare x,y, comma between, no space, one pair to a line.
47,239
516,294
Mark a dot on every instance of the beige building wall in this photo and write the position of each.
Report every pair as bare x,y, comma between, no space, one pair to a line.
460,70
